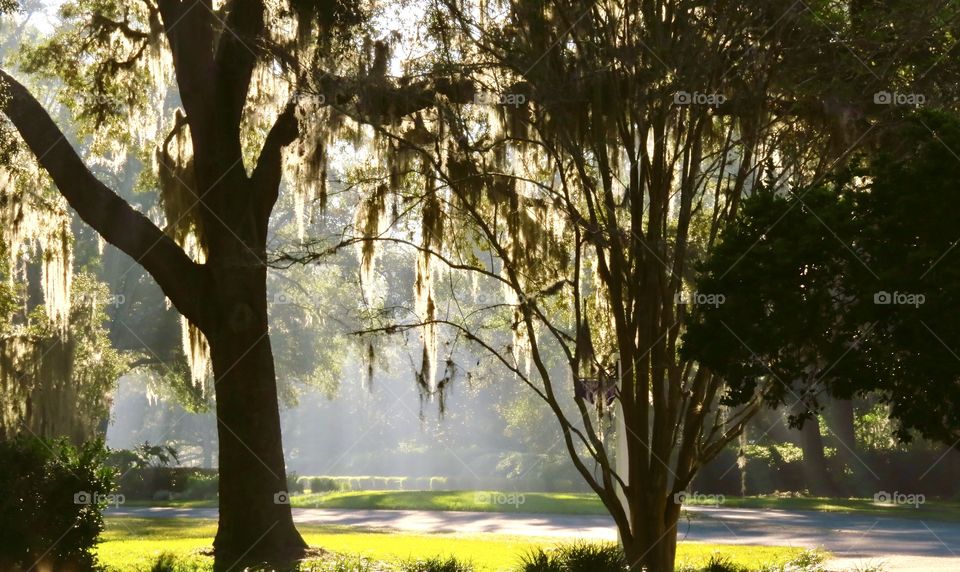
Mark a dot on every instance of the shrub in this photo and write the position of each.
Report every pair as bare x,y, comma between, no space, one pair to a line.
293,483
540,561
166,562
145,483
201,487
806,561
719,563
323,485
575,557
436,564
52,504
169,562
344,563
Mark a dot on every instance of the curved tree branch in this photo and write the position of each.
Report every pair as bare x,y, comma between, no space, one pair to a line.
113,218
236,56
269,170
189,30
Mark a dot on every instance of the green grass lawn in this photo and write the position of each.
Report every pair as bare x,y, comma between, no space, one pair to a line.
480,501
133,544
931,510
579,503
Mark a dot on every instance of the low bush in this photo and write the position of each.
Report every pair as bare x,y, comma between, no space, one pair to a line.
167,562
807,561
344,563
323,485
575,557
718,563
52,502
170,482
294,484
437,564
201,487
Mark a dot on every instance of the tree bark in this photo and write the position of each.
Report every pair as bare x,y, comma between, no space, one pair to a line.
653,547
255,518
815,471
841,419
226,298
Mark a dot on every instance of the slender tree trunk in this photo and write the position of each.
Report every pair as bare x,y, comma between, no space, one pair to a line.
742,460
653,547
255,518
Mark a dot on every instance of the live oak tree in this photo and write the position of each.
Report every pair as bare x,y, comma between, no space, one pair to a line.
57,361
234,68
57,383
582,158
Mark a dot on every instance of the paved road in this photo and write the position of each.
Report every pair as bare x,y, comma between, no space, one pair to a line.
903,545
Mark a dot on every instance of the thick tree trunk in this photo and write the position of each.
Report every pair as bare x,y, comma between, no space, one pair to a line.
841,419
255,519
816,475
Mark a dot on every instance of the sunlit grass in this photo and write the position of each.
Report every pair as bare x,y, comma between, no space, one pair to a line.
133,544
479,501
932,509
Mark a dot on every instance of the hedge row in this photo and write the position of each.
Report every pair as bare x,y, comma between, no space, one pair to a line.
326,483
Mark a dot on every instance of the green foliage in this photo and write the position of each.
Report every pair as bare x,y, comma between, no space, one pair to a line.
850,286
143,456
575,557
323,484
875,430
65,376
346,563
720,563
806,561
167,562
436,564
773,301
776,453
202,487
103,57
156,455
53,496
294,484
309,342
